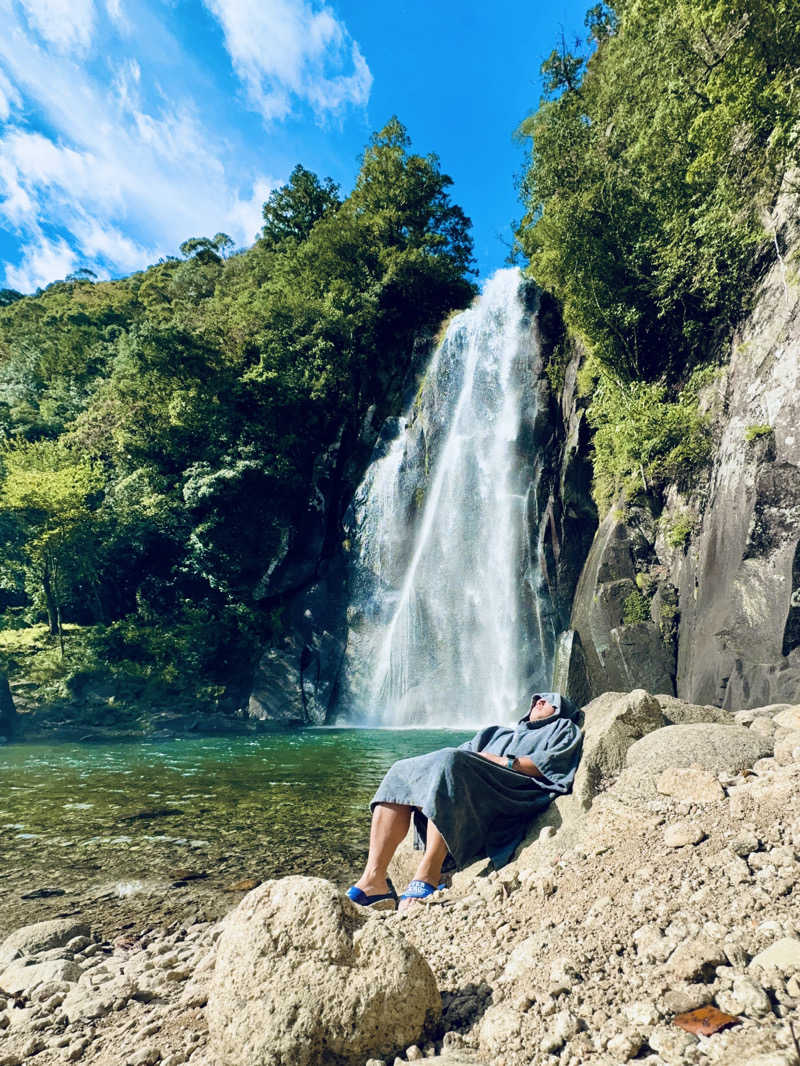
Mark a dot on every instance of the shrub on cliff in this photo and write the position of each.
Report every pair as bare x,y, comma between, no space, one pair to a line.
653,161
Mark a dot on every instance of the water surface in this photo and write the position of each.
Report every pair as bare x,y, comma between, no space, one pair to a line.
171,824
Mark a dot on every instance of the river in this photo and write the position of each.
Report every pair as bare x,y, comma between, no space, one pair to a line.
135,834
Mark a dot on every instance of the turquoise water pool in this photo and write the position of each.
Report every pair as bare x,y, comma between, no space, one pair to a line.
200,814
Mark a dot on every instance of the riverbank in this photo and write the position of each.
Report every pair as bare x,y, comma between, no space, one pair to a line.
676,890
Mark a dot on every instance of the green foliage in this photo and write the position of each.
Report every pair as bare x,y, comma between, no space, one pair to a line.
636,608
757,432
292,211
168,436
645,194
680,528
643,439
49,490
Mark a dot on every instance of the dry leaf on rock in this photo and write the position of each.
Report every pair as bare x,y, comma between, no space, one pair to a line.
705,1021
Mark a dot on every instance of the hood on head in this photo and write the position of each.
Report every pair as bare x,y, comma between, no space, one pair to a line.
564,706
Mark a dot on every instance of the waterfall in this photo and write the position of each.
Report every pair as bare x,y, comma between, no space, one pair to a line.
446,624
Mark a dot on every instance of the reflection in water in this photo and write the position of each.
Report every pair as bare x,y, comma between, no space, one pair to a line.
77,817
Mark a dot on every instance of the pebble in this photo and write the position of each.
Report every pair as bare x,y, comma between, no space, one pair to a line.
784,955
681,834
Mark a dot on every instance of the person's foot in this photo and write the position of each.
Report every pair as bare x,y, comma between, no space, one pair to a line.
417,892
373,886
386,900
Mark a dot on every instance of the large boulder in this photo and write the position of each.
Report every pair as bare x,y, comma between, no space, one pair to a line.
612,723
721,748
677,712
305,977
42,936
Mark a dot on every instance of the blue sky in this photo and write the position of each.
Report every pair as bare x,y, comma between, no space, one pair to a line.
126,127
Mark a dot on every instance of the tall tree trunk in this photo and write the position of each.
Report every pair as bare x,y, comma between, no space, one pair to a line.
50,601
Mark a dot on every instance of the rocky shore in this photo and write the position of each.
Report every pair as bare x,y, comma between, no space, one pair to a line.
666,883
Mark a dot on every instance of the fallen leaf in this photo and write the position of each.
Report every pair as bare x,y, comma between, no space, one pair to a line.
243,886
705,1020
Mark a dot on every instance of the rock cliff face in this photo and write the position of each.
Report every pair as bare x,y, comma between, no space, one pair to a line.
724,624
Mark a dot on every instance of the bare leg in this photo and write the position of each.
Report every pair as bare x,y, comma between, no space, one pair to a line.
430,865
390,822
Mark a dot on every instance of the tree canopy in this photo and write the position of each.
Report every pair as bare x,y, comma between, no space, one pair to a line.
656,156
176,424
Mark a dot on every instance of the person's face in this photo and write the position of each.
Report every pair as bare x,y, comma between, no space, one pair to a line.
540,709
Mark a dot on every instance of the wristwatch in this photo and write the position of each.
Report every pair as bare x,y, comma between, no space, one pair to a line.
510,760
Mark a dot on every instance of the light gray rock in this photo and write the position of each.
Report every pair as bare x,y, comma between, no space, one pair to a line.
787,748
18,977
788,719
696,959
303,975
678,712
561,1029
711,746
682,834
501,1024
745,997
612,723
33,939
784,955
689,784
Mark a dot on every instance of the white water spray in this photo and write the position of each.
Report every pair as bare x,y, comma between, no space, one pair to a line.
447,615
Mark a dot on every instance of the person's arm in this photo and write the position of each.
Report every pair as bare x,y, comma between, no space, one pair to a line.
522,764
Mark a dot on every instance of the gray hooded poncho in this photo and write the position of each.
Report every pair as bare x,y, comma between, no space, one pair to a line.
480,807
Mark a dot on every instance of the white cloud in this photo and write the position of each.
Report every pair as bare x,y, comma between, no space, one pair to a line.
288,49
9,97
118,183
43,260
67,24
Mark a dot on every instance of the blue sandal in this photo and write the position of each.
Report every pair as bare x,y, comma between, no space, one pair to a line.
385,902
420,890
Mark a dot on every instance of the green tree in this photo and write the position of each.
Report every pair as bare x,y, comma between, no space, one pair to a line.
291,212
646,196
51,492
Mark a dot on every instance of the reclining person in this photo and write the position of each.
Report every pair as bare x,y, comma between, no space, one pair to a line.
477,799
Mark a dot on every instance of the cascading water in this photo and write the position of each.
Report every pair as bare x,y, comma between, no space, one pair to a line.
447,625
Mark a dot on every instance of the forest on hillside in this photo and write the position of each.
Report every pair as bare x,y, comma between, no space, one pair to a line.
164,435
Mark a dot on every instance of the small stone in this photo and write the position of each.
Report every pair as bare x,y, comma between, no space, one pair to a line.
784,955
669,1041
681,834
625,1046
177,1058
33,1047
147,1056
691,784
746,997
697,959
642,1014
76,1050
744,843
9,1059
413,1054
562,973
78,943
375,1062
